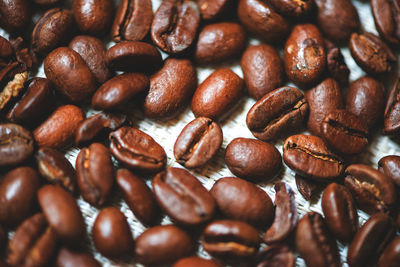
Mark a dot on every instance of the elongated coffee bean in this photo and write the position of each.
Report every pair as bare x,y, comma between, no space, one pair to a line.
392,111
391,256
276,255
386,15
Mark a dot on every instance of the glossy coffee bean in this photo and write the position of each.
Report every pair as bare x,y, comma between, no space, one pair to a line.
68,258
112,236
198,142
289,8
390,165
386,15
392,111
335,64
276,255
391,255
214,9
196,262
277,113
15,15
307,188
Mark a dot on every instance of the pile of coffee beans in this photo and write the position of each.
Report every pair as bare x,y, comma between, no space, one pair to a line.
298,80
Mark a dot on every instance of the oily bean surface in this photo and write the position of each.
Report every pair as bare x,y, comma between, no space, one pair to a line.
390,165
67,258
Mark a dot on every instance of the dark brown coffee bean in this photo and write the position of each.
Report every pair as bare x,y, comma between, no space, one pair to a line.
372,190
390,165
62,213
137,150
57,170
217,95
94,17
277,113
290,8
132,20
213,9
323,99
54,29
260,19
365,98
15,15
33,243
230,240
246,158
112,236
219,42
336,66
371,53
18,190
196,262
309,156
95,173
58,130
175,24
198,142
16,144
344,132
162,245
391,255
305,55
285,219
69,258
13,77
340,212
387,17
314,243
170,89
120,90
276,255
139,197
370,240
183,197
6,50
392,111
306,187
262,70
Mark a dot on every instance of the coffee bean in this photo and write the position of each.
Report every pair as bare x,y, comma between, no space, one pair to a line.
276,255
162,245
309,156
137,150
175,24
69,258
196,262
16,144
386,15
277,113
390,165
13,77
340,212
198,142
370,240
306,187
6,51
372,190
262,70
392,111
112,236
183,197
336,66
132,20
170,89
3,240
213,9
217,95
314,243
219,42
296,9
391,256
15,15
57,170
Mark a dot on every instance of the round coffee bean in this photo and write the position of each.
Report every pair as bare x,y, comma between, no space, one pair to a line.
391,255
390,165
15,15
69,258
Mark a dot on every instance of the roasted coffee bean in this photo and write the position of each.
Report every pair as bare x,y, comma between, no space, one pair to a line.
95,125
306,187
15,15
3,240
57,170
18,190
314,243
196,262
93,17
198,142
387,17
217,95
391,255
344,132
16,144
253,159
132,20
260,19
392,111
112,236
262,70
170,89
337,19
289,8
276,255
95,173
277,113
183,197
309,156
62,213
137,150
162,245
323,99
54,29
390,165
93,52
139,197
58,130
12,78
175,24
69,258
6,50
335,64
230,240
371,53
372,190
219,42
285,219
120,90
305,55
340,212
33,244
370,240
213,9
241,200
